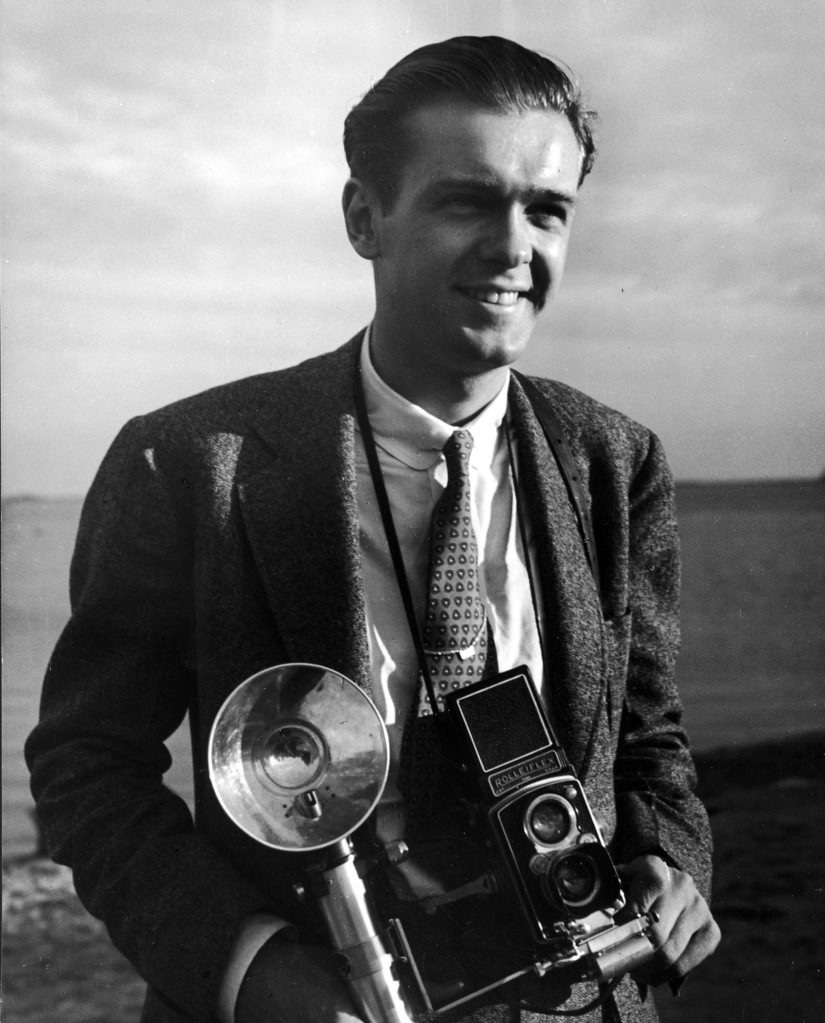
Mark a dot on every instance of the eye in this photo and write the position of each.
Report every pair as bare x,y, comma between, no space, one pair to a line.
549,215
464,202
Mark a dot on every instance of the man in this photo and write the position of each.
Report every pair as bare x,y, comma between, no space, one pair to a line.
239,529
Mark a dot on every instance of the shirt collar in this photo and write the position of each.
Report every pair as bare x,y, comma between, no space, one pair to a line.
414,436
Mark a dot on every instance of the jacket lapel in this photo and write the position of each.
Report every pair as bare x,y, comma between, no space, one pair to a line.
573,634
298,499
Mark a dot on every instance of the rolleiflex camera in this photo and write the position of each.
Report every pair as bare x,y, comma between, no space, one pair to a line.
548,841
548,892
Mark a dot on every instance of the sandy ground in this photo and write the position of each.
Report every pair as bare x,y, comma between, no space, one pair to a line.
766,805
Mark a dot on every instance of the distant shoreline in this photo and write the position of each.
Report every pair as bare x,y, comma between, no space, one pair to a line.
760,764
756,481
768,481
41,498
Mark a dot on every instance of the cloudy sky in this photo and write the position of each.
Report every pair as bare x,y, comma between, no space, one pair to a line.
172,174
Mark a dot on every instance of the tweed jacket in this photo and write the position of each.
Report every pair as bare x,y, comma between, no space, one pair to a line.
221,537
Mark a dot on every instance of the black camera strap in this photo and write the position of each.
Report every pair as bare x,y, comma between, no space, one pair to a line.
554,434
605,1000
393,542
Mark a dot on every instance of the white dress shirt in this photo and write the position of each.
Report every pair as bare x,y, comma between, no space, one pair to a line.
409,442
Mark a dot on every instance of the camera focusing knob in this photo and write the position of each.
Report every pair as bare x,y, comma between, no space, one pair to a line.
540,864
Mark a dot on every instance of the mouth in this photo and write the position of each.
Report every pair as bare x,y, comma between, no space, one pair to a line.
506,298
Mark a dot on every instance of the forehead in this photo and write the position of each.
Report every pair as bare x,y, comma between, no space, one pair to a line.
455,139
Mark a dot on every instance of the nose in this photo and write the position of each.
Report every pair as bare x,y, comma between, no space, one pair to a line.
507,240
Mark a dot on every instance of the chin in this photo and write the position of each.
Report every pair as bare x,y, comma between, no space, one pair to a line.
498,352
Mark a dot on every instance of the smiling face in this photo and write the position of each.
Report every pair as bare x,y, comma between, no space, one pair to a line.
472,248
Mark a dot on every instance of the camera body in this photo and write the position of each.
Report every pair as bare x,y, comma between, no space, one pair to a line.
549,844
540,890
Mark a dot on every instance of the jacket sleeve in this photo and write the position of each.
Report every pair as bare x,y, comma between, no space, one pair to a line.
118,684
655,778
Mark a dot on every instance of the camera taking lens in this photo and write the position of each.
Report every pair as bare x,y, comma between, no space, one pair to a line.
577,879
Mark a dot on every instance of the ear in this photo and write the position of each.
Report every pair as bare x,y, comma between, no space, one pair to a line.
361,215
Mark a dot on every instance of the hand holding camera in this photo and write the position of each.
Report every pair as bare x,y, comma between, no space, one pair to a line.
685,932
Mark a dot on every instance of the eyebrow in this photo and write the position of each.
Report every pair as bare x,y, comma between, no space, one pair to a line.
491,185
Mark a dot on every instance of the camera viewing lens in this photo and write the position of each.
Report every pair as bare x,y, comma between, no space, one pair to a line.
548,820
577,878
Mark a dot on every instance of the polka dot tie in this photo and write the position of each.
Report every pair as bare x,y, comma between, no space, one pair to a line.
455,626
456,636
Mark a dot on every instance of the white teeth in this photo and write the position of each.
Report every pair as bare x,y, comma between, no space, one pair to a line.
497,297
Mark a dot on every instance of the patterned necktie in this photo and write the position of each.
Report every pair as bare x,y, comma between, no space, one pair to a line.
455,627
456,638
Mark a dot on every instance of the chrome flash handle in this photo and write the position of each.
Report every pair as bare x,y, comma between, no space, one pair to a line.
368,972
620,950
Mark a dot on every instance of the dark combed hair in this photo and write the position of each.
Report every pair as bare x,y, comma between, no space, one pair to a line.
487,70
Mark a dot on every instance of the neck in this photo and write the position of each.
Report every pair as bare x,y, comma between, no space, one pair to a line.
452,398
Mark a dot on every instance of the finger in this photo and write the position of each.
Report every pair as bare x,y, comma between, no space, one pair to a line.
671,898
694,936
701,943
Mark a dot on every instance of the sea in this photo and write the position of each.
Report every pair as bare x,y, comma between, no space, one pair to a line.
752,666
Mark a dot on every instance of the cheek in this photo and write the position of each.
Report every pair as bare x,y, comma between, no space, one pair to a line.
555,258
556,247
559,263
427,260
430,261
447,242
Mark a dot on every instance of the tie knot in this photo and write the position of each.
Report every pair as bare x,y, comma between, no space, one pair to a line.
457,452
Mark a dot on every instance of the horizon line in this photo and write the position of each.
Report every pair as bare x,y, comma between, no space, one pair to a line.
27,495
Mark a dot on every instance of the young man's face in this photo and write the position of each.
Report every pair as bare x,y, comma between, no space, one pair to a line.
476,241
